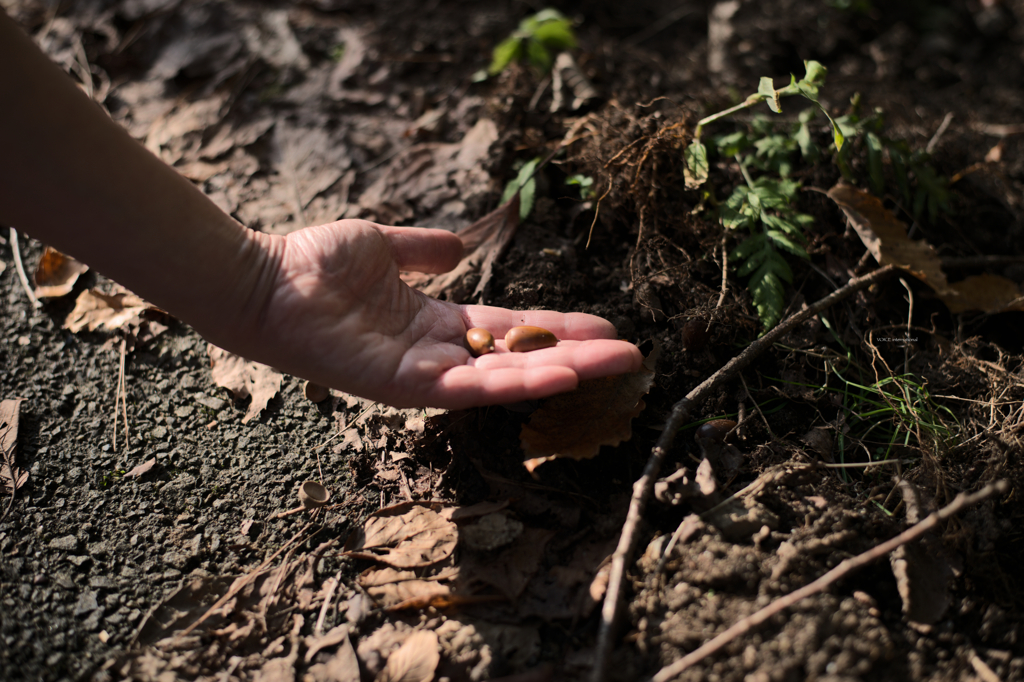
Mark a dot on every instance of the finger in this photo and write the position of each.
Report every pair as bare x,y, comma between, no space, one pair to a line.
587,359
566,326
467,386
421,249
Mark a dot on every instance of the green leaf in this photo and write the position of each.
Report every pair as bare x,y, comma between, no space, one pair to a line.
556,34
539,56
767,290
786,244
732,144
695,171
766,89
506,51
732,219
815,72
526,184
750,245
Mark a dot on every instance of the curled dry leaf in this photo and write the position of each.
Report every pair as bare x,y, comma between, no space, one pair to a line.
886,238
407,535
415,661
576,424
96,310
56,274
244,378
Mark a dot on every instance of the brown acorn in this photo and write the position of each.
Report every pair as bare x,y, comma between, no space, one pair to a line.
479,342
715,430
523,339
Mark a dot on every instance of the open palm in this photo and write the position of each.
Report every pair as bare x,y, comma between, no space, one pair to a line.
339,314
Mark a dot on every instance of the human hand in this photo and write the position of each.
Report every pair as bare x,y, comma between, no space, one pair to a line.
333,309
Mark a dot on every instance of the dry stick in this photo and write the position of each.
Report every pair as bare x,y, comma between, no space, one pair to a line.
961,502
16,251
680,413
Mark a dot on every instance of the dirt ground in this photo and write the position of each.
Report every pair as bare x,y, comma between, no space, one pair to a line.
134,521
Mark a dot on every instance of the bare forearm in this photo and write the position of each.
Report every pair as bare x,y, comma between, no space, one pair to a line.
74,179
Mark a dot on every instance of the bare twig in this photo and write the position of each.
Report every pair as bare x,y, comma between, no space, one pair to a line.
961,502
16,251
932,143
680,414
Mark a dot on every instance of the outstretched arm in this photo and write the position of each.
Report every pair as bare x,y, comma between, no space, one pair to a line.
325,303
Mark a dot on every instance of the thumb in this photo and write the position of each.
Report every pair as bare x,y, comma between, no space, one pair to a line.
422,249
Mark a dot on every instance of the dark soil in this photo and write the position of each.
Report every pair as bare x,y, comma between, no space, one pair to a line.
90,557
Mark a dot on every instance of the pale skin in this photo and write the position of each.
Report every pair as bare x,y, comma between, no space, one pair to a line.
324,303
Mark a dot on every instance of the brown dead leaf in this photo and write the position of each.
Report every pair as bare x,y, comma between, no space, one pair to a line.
415,661
11,476
141,468
922,569
433,177
56,274
407,535
96,310
399,589
484,241
576,424
244,378
886,238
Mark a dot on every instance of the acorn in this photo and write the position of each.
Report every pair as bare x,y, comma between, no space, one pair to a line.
715,430
313,495
523,339
479,342
315,392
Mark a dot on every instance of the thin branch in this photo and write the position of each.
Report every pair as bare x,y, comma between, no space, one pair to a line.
961,502
680,414
16,251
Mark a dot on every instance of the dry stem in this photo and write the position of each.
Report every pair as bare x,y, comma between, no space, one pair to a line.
962,501
680,414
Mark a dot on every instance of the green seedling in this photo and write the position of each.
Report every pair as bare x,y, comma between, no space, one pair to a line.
585,183
764,210
537,40
526,184
696,154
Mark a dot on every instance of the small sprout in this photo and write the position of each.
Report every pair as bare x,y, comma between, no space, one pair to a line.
538,37
524,339
313,495
315,392
479,342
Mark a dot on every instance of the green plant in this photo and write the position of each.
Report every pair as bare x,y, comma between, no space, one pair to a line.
763,208
894,411
526,184
536,41
921,188
585,183
696,154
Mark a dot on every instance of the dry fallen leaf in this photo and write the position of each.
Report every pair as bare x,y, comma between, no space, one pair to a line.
415,661
576,424
244,378
141,468
56,274
886,238
407,535
11,476
96,310
922,569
